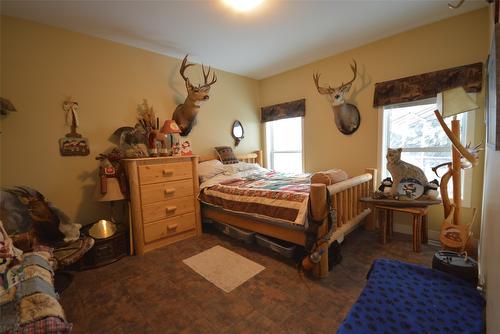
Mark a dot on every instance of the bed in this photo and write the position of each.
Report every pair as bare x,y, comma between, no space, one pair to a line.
344,197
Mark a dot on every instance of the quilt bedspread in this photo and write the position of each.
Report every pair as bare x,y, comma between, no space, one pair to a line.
264,194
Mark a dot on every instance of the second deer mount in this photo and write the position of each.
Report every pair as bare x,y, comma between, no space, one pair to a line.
347,117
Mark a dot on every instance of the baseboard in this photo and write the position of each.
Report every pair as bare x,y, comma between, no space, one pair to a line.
408,229
434,237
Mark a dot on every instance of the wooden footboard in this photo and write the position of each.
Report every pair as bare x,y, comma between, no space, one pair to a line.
345,197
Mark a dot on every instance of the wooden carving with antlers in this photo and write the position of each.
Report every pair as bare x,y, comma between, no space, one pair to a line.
185,113
347,118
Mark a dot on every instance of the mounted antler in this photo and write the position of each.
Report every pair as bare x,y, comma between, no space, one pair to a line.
185,113
206,75
184,66
340,90
347,117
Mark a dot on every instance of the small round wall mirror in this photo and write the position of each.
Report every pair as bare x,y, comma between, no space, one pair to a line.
237,132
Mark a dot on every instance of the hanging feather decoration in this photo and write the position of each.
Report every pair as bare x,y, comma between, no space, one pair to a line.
71,109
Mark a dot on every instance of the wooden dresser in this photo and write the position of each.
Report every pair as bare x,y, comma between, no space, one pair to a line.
163,200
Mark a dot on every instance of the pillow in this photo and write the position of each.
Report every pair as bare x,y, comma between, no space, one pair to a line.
239,167
210,168
226,155
329,177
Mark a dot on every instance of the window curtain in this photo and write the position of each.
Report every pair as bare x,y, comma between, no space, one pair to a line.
275,112
427,85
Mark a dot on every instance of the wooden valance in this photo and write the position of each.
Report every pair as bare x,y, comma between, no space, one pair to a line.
427,85
283,110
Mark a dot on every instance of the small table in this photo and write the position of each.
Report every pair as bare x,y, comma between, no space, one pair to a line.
417,208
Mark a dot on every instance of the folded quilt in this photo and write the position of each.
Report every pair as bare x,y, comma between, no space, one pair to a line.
264,194
28,301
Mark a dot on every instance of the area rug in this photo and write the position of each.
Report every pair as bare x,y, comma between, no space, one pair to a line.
224,268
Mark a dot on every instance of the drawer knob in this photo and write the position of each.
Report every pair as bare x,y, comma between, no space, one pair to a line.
171,208
169,191
167,172
172,227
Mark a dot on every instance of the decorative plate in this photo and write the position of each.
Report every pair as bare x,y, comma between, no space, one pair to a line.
410,188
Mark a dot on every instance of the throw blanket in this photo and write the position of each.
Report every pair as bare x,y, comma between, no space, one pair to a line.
265,194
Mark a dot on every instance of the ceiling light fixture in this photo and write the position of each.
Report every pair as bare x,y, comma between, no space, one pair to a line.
242,5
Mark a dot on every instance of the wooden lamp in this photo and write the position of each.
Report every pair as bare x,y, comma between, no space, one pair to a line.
451,103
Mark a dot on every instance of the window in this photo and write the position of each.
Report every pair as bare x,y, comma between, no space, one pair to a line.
284,145
415,128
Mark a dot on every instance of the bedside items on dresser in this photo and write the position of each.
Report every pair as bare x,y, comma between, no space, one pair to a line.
163,199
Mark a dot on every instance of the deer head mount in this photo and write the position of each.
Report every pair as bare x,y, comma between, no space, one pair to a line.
347,118
185,113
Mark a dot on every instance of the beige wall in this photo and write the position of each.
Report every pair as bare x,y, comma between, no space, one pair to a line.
41,66
490,231
457,41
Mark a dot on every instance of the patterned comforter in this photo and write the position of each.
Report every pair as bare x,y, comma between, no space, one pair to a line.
270,195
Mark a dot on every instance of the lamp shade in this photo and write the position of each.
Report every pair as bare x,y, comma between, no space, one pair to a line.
113,193
455,101
170,126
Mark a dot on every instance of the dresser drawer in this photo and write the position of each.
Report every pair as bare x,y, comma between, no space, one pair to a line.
165,172
169,227
156,192
165,209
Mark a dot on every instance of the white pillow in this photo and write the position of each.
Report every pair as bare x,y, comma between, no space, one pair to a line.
239,167
209,169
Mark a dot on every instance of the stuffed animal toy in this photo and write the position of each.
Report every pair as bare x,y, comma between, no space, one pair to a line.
386,185
176,149
186,148
432,189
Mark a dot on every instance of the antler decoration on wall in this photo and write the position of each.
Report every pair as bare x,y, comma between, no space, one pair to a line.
185,114
347,118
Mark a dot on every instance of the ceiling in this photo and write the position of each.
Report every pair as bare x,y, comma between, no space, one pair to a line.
278,36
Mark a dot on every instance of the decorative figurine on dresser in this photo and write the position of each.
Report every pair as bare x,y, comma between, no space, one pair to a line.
164,206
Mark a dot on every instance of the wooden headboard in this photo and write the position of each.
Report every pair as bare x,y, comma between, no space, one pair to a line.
253,157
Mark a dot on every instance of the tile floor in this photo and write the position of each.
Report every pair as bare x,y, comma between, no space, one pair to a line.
157,293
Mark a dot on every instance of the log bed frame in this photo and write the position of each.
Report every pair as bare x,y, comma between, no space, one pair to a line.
345,197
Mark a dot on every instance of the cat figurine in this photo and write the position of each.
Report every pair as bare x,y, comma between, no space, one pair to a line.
400,169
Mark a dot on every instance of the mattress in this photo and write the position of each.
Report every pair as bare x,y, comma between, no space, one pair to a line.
406,298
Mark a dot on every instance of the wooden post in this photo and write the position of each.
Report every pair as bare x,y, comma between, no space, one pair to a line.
456,173
372,185
196,191
345,206
258,159
319,212
135,207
